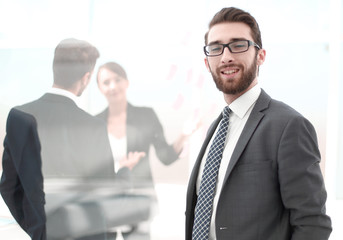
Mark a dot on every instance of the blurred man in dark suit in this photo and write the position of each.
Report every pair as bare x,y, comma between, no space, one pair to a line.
74,145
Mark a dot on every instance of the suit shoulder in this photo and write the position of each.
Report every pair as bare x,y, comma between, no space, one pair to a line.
34,107
140,109
88,118
16,115
20,123
26,107
283,114
141,112
272,107
284,109
102,115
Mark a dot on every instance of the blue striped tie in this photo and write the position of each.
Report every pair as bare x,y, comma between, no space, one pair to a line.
203,208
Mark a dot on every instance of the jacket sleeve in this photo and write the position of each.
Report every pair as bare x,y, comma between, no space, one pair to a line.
22,180
164,151
301,181
10,186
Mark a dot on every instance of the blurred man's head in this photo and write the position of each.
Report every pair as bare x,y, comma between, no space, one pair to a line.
74,61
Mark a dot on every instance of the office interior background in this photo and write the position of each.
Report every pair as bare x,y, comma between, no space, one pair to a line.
159,43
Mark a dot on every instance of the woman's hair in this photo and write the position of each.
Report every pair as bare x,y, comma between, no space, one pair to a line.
114,67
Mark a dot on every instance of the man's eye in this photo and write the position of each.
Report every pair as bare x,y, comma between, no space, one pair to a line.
215,49
239,45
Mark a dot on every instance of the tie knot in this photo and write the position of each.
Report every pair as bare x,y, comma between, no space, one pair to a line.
226,112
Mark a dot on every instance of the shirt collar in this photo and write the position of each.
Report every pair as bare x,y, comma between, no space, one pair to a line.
65,93
242,104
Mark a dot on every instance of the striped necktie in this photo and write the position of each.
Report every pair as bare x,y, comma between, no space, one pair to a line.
203,208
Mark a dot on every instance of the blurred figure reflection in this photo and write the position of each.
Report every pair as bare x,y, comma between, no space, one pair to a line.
82,199
132,131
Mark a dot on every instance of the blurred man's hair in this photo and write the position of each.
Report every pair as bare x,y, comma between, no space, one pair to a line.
72,60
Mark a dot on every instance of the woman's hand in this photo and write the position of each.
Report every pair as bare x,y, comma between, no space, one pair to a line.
189,127
131,160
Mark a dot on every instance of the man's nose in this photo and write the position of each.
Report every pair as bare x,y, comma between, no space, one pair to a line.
227,56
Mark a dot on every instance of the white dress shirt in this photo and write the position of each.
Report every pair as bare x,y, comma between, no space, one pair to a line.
240,112
65,93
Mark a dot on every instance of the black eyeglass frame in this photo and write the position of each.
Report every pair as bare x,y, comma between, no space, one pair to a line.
250,43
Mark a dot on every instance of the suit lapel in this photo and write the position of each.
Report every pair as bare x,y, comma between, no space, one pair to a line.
131,130
249,129
132,137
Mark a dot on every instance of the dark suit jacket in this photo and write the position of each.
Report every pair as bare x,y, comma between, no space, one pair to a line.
74,143
273,187
21,183
144,130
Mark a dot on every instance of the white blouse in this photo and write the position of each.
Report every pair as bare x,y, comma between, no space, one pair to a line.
119,149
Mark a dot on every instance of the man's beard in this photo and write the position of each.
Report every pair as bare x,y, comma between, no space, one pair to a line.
243,83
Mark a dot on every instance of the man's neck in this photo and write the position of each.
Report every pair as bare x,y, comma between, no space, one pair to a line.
63,92
71,90
230,98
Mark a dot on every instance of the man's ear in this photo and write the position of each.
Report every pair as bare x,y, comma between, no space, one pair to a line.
86,79
261,56
207,64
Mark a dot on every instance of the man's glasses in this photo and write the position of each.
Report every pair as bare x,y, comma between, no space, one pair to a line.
234,47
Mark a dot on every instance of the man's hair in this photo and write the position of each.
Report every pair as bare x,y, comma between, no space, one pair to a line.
114,67
72,60
232,14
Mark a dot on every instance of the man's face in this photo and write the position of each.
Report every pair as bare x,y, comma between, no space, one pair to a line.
233,73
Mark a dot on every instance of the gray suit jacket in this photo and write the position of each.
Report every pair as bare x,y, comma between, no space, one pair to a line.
74,143
273,187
